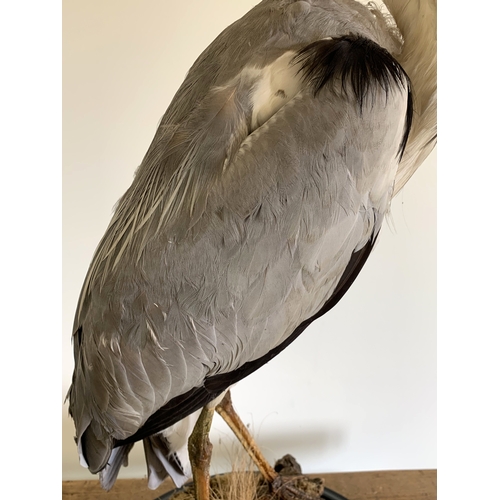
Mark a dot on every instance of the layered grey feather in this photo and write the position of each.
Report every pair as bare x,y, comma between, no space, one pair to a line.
237,227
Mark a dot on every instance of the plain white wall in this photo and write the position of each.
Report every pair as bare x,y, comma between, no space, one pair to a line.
357,391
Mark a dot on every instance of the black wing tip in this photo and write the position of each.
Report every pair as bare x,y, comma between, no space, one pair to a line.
359,63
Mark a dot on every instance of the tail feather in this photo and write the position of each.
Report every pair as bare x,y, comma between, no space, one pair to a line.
162,462
156,471
166,454
118,457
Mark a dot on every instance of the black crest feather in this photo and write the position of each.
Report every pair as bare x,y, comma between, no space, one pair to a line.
358,62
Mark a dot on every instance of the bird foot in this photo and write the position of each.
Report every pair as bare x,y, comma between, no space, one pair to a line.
291,484
297,488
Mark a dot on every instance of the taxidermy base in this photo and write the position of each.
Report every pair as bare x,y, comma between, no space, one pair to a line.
244,484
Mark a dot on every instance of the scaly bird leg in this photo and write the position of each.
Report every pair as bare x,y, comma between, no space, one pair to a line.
282,487
200,453
226,411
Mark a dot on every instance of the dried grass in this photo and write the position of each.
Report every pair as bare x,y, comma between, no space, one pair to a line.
244,483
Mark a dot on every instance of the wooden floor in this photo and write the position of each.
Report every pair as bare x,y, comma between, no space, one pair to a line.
385,485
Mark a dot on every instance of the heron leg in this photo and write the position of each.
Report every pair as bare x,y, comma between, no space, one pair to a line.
200,453
226,410
293,487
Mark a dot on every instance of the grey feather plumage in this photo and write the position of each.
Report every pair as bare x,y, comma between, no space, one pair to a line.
238,225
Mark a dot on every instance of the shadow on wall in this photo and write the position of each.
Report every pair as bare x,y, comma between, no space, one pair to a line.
274,445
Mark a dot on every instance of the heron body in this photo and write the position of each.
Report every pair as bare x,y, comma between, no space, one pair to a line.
254,209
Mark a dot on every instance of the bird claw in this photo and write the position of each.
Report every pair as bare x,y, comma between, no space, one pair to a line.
297,488
291,484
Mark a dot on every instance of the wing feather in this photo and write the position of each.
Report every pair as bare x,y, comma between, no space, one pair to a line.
231,237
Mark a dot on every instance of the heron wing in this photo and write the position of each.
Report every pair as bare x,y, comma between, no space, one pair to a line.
299,238
267,198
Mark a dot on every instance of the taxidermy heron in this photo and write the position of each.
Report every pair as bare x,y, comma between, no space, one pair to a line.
253,211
